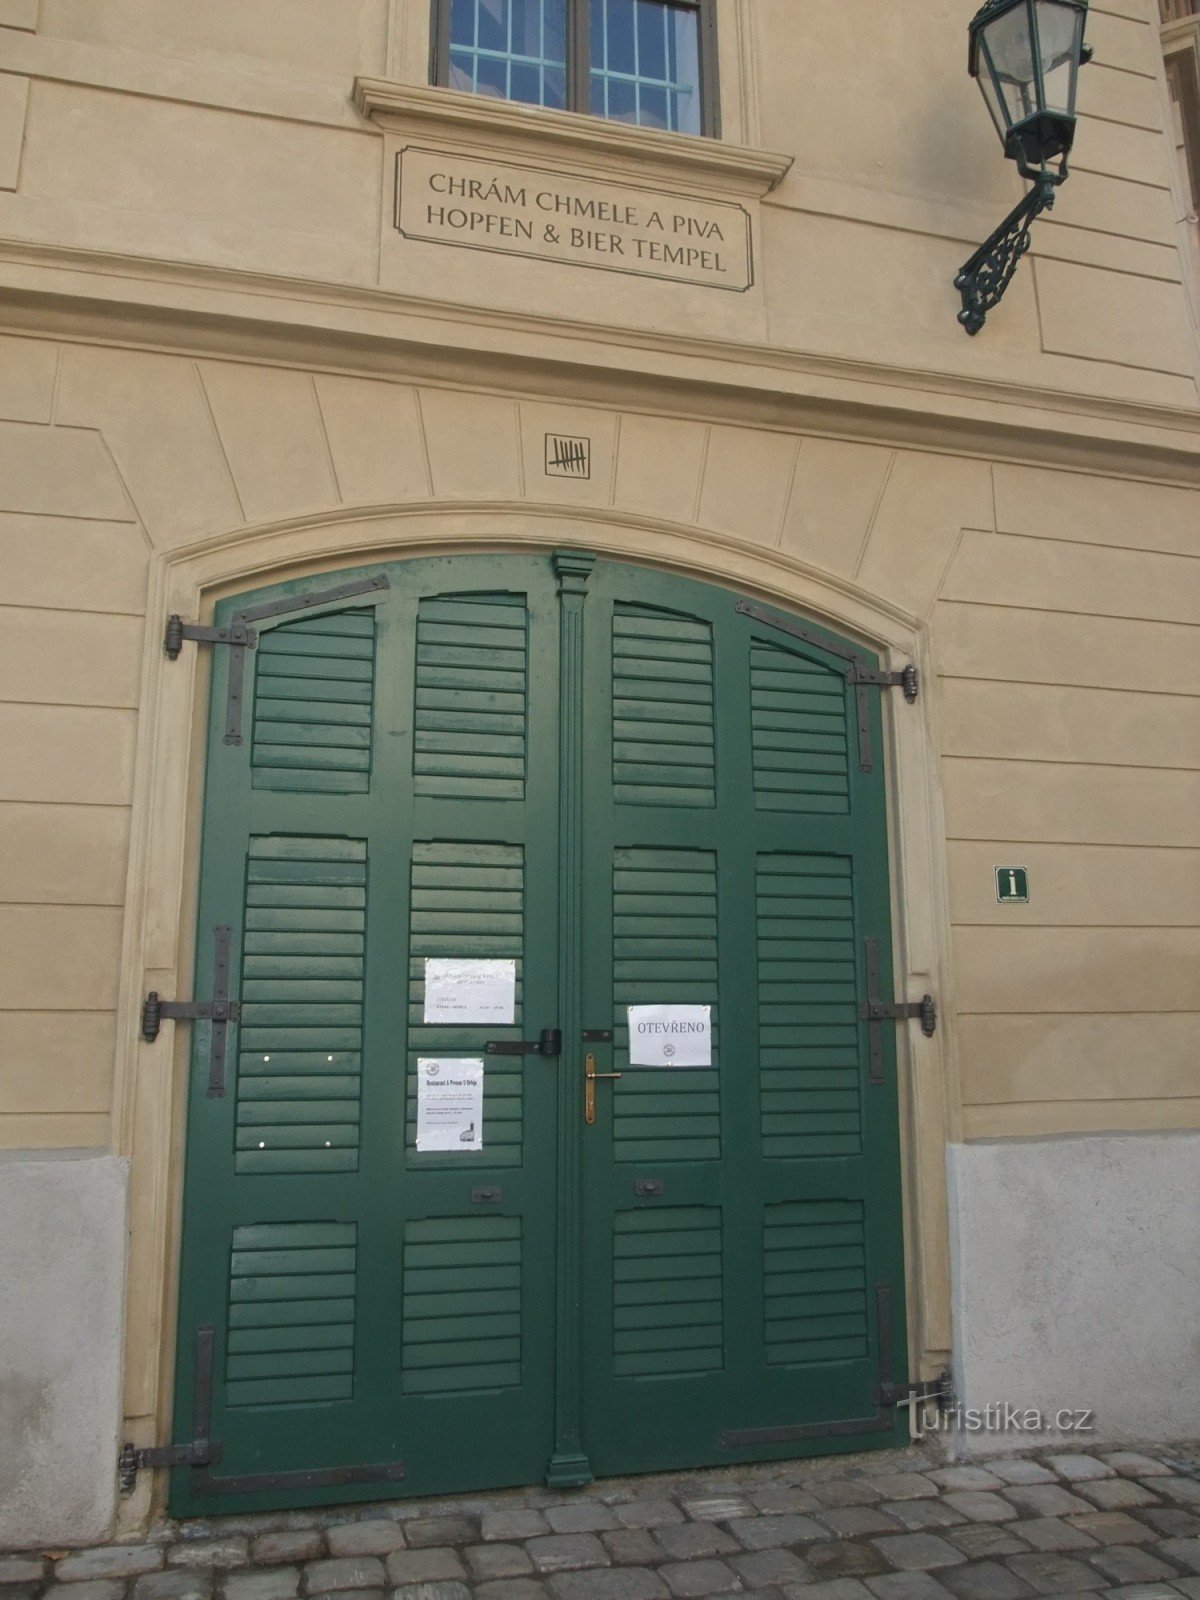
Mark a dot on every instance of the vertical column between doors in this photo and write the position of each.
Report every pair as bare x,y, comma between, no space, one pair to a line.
569,1465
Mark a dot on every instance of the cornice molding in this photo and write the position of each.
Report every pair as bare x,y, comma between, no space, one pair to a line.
137,302
509,128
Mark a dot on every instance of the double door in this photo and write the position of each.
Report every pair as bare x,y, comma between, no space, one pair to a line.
640,791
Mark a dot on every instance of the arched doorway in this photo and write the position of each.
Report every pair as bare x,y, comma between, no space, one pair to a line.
577,787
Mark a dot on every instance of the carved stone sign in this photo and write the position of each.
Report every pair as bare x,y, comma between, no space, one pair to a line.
568,457
562,217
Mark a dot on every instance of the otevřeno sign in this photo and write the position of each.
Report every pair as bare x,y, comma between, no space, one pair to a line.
576,221
670,1036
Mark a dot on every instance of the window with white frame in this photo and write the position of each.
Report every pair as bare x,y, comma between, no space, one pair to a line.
651,62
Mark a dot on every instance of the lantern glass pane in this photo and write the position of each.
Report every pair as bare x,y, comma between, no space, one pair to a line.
991,94
1009,45
1059,35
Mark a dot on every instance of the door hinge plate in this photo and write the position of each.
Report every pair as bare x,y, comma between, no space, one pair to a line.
925,1008
155,1009
875,1011
907,1394
133,1457
236,634
908,679
220,1011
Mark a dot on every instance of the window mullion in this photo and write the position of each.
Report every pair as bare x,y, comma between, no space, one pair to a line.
710,94
579,55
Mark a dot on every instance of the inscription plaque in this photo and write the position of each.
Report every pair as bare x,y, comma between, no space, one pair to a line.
576,221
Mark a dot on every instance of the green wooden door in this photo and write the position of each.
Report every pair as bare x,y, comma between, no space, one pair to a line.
638,794
742,1227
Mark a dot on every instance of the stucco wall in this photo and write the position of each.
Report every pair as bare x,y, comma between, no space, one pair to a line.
1073,1264
62,1259
898,176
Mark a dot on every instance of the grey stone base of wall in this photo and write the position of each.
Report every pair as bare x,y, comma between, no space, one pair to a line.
1076,1287
62,1272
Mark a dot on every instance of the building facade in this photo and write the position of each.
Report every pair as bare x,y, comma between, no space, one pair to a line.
476,479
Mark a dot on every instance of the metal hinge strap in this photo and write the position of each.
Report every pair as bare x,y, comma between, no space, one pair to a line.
875,1011
154,1010
887,1395
898,1394
908,679
220,1011
859,674
549,1044
202,1451
236,635
908,1394
133,1457
925,1008
240,637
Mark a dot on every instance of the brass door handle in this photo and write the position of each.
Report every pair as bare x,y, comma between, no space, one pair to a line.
590,1079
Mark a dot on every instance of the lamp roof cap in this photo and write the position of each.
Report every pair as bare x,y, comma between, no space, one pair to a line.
990,10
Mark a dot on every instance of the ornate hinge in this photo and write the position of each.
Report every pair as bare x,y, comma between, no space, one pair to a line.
220,1011
204,1452
201,1451
133,1457
236,634
240,637
875,1011
908,679
859,675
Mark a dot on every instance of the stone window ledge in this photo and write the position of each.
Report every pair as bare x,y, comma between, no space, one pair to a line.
509,130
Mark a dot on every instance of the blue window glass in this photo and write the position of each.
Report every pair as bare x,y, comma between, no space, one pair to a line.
645,63
514,49
628,60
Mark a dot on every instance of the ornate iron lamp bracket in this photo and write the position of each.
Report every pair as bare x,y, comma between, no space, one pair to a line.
988,273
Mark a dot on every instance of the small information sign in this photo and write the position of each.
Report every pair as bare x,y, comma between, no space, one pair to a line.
1012,886
470,992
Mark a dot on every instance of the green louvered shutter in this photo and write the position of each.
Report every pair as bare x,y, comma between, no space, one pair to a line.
375,1310
638,793
738,1218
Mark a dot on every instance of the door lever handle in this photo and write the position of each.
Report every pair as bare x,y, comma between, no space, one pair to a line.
590,1078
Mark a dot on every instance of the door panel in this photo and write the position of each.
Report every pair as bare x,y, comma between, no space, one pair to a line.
694,1279
395,797
736,1218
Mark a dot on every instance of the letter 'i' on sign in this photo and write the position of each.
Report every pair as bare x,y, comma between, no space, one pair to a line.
1012,885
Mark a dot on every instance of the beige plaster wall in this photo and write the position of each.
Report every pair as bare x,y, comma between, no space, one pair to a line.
223,134
1058,610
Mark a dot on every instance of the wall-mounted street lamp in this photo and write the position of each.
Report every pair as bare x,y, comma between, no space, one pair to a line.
1026,55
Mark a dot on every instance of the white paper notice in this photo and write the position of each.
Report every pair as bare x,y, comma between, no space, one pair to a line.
449,1105
670,1036
469,992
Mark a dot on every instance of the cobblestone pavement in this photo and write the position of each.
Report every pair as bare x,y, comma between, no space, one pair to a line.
904,1526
